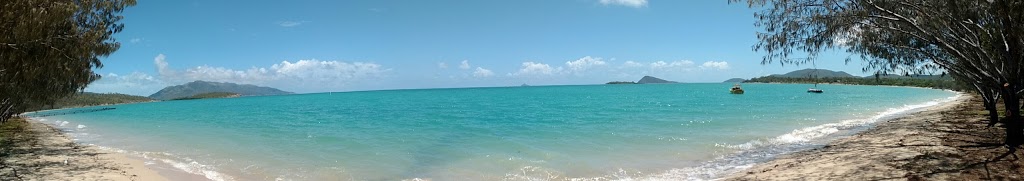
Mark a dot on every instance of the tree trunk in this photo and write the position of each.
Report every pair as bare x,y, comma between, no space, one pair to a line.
1014,131
5,111
989,99
993,112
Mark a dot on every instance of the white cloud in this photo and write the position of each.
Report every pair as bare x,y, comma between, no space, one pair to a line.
291,23
464,65
442,65
482,72
630,3
136,83
161,65
631,64
715,65
672,65
583,64
305,75
536,69
136,40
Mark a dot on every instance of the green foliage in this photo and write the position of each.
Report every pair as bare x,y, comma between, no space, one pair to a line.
946,83
89,99
979,43
48,48
209,95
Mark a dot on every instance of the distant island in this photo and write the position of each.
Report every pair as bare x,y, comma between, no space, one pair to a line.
734,80
653,80
210,95
197,88
620,82
644,80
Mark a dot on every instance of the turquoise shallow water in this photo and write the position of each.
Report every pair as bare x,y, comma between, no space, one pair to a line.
659,131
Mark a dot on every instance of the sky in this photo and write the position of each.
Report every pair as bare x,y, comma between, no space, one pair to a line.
334,46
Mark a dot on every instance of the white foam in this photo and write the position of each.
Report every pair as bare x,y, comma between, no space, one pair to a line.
807,134
186,164
760,150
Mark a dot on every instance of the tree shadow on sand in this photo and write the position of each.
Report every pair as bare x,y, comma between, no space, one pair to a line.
26,155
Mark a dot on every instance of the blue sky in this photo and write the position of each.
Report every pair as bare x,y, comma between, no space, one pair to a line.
321,46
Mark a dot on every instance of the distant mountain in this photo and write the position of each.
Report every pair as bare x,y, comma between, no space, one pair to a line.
819,73
653,80
734,80
210,95
200,87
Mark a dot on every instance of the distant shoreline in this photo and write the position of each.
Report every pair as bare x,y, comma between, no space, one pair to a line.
904,86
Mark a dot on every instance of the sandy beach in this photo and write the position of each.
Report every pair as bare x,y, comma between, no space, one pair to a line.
945,142
34,151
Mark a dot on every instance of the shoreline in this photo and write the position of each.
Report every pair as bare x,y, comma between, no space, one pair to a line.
871,126
943,142
38,151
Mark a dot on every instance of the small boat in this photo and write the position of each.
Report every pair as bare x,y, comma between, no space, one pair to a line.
813,90
736,89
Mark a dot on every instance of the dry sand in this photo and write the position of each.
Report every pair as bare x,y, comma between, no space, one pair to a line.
34,151
946,142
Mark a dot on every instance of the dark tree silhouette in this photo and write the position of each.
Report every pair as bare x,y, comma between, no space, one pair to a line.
976,42
48,48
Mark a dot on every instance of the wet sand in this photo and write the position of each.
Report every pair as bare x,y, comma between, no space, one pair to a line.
945,142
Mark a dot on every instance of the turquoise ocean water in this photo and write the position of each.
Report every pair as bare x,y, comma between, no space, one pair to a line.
588,132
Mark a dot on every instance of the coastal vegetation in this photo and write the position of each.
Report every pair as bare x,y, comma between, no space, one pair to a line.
978,43
49,48
940,83
84,99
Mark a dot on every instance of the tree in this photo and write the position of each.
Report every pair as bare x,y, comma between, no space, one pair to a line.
48,48
978,42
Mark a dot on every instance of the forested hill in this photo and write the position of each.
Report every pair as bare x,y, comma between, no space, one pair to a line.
200,87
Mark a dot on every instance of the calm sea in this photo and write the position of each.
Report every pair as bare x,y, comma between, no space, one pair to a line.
588,132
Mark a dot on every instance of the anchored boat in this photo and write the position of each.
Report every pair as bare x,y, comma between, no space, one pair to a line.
736,89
